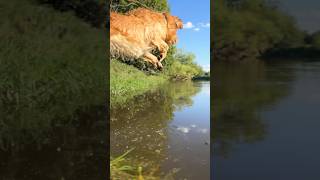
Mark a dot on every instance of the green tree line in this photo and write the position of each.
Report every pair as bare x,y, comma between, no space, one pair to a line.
245,29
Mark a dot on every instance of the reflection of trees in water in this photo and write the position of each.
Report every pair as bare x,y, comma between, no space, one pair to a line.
53,143
240,92
142,122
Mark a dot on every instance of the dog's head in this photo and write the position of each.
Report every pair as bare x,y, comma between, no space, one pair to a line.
178,22
173,24
173,21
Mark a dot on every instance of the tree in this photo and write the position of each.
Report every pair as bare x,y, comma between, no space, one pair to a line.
247,29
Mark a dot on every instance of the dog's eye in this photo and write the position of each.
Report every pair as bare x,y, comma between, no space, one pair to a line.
179,25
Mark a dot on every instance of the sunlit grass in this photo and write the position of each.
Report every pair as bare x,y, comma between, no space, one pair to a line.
127,81
120,170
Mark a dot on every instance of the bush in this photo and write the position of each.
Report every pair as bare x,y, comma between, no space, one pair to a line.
180,65
127,5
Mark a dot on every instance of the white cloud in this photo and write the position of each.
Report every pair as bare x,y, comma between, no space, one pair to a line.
188,25
205,25
197,27
206,67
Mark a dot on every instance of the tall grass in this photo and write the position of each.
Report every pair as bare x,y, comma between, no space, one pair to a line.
52,64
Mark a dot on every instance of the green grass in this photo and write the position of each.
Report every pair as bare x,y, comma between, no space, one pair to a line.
52,65
127,81
120,170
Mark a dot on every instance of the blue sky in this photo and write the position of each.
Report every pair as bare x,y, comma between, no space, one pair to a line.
195,37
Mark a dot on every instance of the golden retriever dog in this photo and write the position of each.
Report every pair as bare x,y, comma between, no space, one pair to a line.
173,23
135,34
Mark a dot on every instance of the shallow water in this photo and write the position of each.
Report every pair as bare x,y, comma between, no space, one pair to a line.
169,130
266,121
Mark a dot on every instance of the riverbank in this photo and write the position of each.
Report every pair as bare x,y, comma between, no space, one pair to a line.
49,71
127,82
204,77
53,90
300,53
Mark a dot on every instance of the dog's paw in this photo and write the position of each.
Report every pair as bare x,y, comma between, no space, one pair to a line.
160,66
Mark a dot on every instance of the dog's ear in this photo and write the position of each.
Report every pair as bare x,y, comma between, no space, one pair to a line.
174,20
167,15
170,19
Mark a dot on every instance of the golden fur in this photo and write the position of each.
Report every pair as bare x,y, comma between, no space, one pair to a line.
135,34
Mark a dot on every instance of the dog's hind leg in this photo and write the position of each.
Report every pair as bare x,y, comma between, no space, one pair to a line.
153,60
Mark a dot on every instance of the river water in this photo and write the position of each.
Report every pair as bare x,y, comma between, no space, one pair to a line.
266,121
168,130
52,145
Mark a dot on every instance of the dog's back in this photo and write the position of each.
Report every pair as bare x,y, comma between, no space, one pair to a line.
126,36
139,31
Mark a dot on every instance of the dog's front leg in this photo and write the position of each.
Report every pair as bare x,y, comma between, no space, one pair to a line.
153,60
163,54
163,48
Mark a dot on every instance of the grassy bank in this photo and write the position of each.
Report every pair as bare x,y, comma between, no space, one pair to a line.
52,93
52,65
127,81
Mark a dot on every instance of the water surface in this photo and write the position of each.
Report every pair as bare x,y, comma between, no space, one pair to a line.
52,146
168,128
266,121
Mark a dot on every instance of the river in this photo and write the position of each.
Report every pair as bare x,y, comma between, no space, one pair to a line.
266,121
168,130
